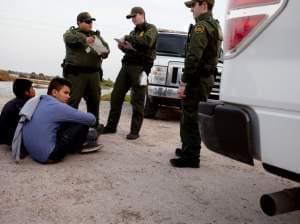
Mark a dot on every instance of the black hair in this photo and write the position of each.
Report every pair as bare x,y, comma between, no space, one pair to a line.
58,83
20,86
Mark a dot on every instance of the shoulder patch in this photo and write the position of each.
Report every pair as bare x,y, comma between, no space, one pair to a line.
199,29
141,34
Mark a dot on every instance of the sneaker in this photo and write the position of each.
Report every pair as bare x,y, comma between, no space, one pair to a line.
179,152
185,162
87,148
107,130
92,135
131,136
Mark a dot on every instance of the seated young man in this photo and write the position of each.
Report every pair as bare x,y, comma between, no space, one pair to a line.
9,117
55,128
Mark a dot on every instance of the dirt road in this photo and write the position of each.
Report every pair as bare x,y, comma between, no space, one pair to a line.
132,182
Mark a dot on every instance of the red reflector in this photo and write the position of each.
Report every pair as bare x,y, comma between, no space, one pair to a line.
239,28
234,4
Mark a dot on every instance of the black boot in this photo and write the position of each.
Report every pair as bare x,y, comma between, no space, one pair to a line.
132,136
108,130
179,152
183,162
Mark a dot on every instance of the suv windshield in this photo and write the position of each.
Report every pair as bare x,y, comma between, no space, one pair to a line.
171,45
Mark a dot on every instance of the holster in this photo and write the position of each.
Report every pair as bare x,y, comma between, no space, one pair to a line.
147,65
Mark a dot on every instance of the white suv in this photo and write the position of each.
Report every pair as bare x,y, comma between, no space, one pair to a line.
165,75
259,112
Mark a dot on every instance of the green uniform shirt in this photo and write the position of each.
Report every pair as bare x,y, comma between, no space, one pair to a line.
202,49
78,52
143,38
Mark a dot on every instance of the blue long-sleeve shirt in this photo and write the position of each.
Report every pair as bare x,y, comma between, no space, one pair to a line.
39,134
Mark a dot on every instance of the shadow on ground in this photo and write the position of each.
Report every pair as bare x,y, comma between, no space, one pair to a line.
168,114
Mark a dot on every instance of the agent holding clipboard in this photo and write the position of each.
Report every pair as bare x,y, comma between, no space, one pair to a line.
139,48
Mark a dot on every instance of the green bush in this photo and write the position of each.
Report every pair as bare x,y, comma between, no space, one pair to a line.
106,97
127,98
107,84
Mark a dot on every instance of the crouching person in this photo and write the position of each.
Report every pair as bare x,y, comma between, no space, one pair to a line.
49,128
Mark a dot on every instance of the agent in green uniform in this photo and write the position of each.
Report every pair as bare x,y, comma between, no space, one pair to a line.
202,51
140,51
85,50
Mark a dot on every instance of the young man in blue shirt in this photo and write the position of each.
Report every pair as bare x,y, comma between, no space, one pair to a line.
9,117
55,128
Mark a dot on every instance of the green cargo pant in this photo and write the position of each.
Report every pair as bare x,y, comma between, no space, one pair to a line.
87,86
128,77
189,131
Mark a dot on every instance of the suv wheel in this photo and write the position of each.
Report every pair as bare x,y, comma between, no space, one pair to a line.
150,108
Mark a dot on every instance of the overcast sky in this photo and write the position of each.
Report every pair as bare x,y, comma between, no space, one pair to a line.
31,30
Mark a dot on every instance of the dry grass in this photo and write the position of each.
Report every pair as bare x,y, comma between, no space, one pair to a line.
4,76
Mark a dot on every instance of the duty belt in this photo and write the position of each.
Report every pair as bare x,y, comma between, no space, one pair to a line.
69,69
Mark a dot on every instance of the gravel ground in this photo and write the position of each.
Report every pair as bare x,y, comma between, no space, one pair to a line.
132,182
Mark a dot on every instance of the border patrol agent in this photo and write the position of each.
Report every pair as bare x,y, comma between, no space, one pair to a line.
140,51
82,63
203,48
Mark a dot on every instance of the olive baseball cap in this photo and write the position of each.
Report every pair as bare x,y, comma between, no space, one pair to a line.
134,11
190,3
85,16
